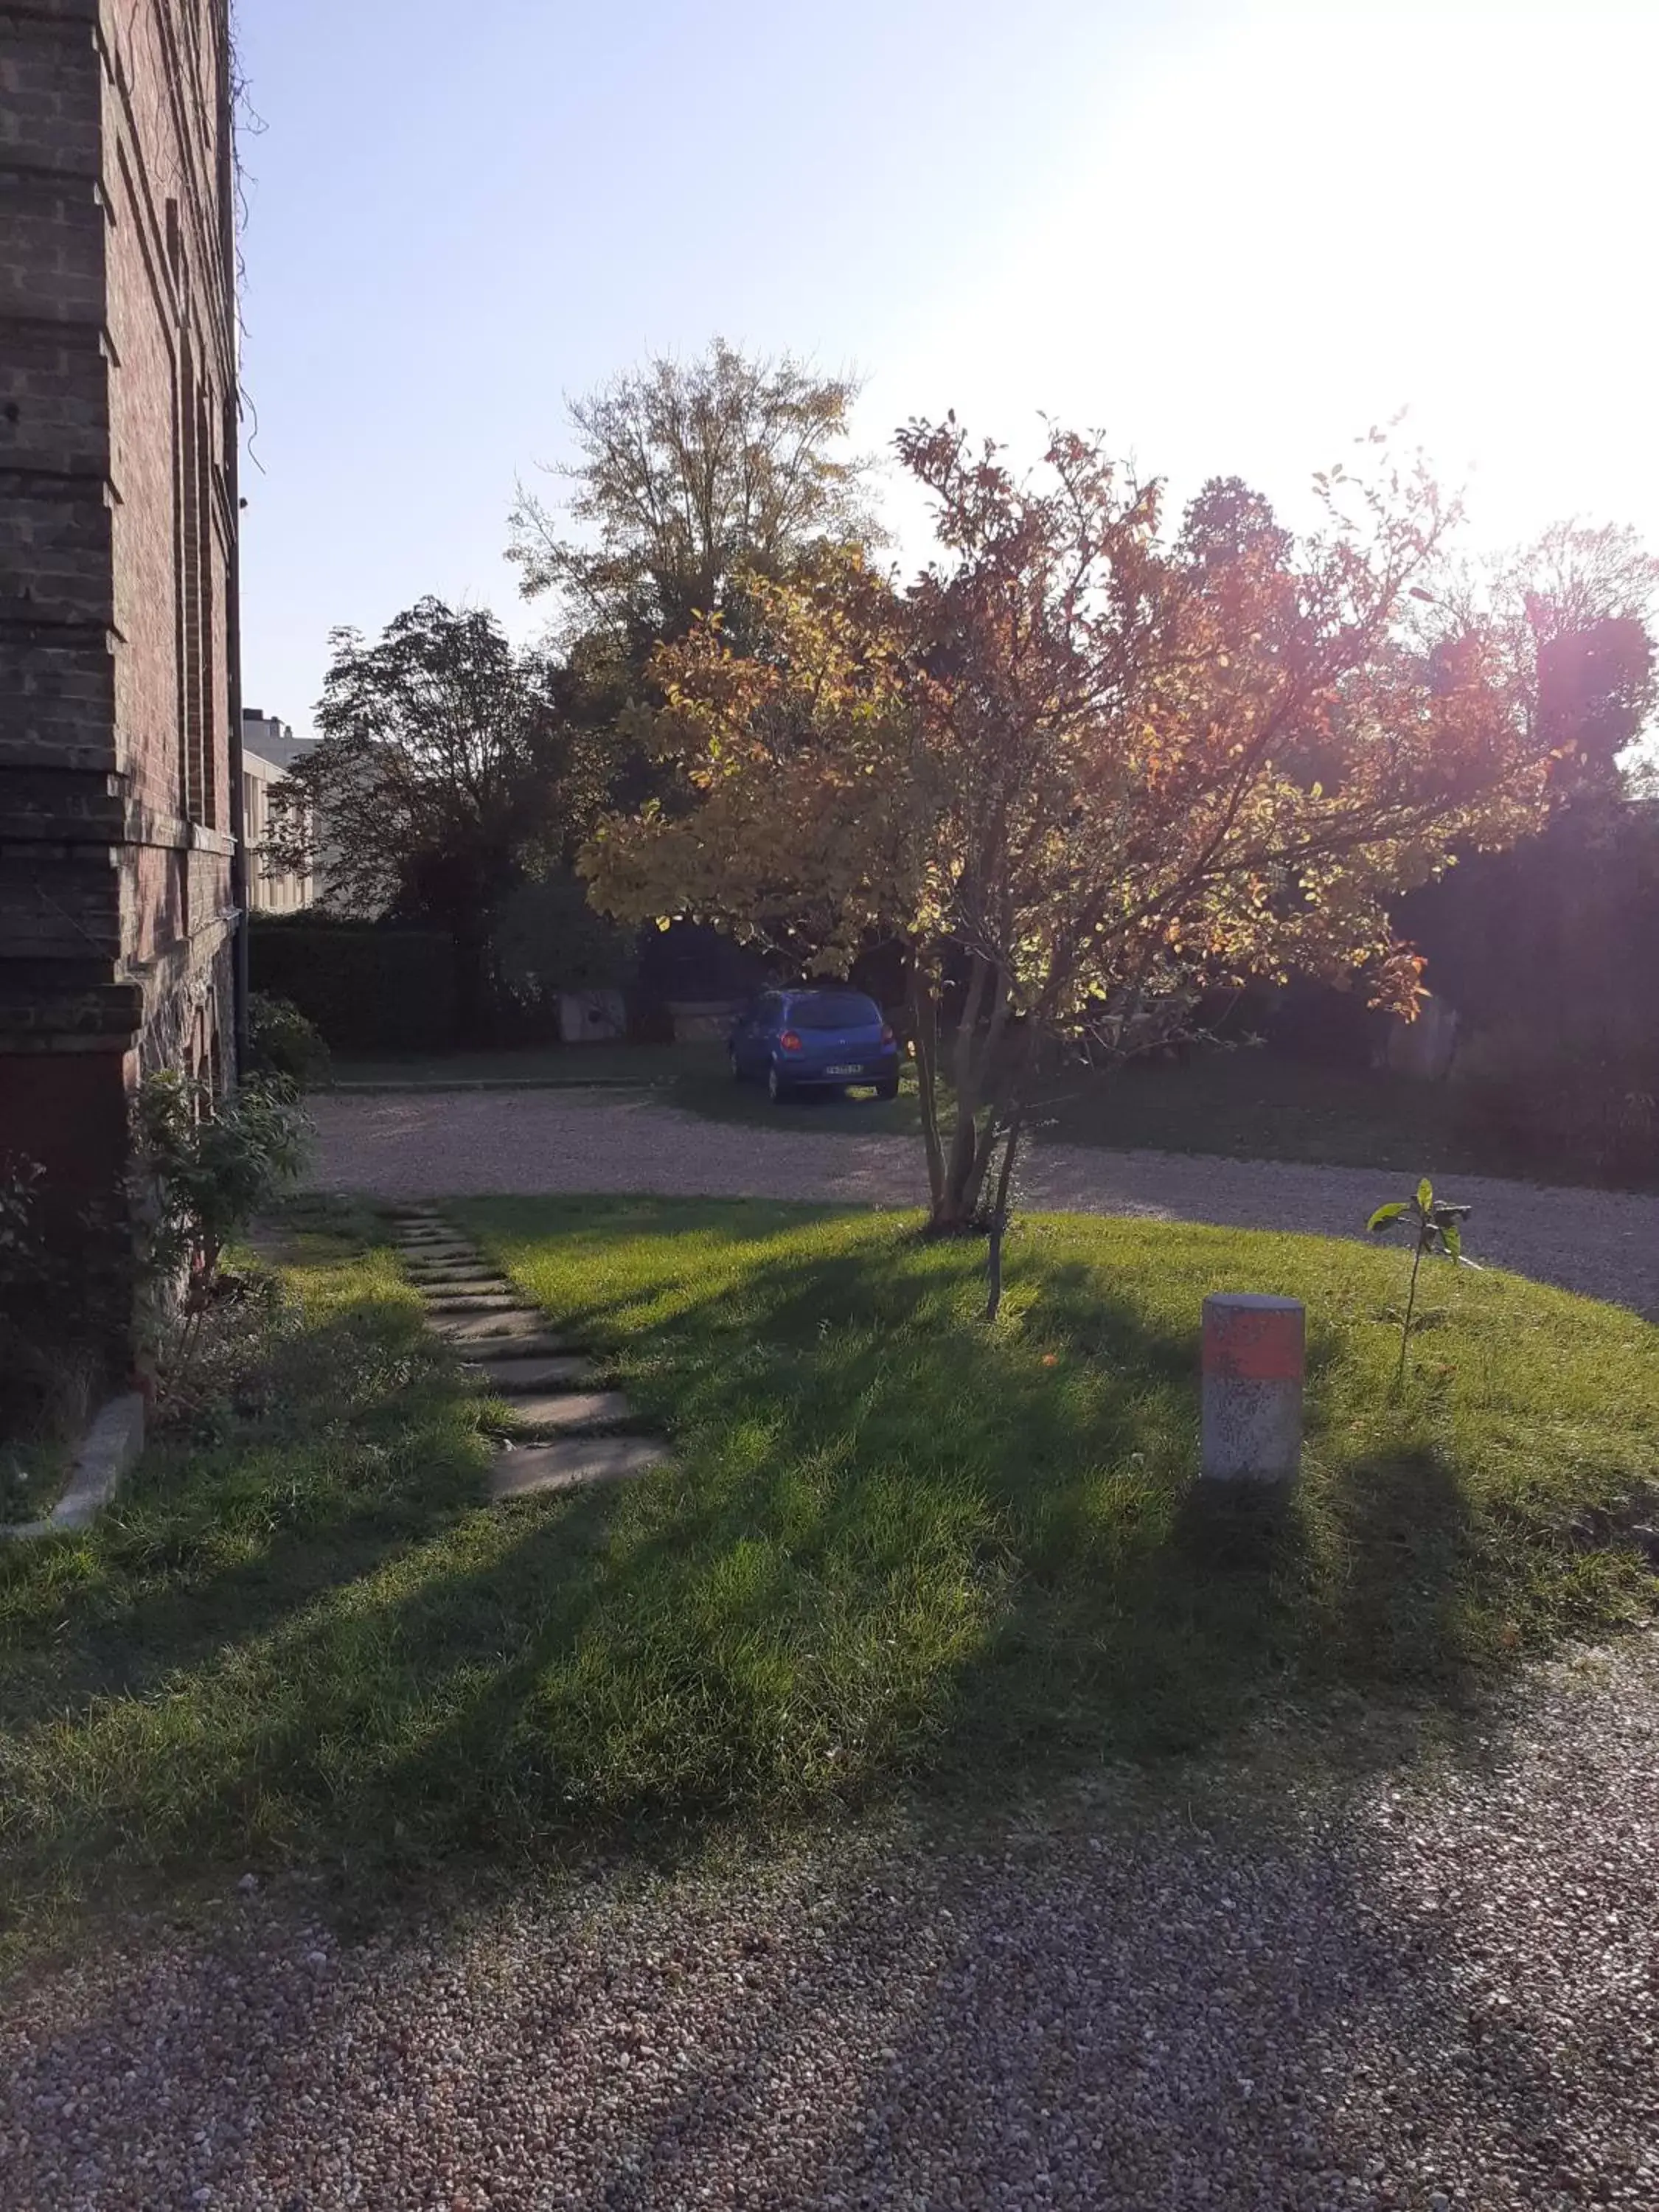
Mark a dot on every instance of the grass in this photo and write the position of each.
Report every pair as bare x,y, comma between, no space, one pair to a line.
551,1067
1244,1104
893,1546
34,1476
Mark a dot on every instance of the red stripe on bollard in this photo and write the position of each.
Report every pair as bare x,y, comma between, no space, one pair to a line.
1253,1344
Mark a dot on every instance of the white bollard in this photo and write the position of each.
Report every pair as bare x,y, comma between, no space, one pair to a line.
1255,1352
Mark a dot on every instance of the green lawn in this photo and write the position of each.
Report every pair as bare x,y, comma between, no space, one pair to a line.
34,1475
556,1066
893,1545
1246,1104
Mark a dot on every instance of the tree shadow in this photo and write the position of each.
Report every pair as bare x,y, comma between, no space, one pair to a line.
892,1544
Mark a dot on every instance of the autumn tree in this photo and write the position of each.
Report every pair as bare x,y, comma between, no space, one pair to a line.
442,774
1572,613
1086,771
685,471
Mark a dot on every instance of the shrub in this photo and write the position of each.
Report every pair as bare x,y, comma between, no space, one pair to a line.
366,986
1585,1105
205,1167
286,1043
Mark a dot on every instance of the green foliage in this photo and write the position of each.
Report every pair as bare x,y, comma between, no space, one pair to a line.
204,1167
1546,954
1436,1227
688,470
438,764
549,939
1564,1095
444,773
366,987
286,1043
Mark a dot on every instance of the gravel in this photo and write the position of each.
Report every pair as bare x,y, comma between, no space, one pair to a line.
1432,1990
434,1144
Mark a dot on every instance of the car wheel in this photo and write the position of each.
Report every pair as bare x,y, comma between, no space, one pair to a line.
888,1089
776,1090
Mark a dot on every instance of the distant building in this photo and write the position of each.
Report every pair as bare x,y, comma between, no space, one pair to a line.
268,749
272,738
119,721
270,891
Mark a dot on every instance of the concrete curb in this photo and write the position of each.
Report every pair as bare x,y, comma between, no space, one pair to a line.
108,1450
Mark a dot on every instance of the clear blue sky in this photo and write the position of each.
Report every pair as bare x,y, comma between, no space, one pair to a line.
1233,232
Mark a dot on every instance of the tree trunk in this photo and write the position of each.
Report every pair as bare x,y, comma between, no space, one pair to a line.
924,1001
959,1189
1000,1214
954,1192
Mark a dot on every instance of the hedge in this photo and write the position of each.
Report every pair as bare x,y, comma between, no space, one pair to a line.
368,988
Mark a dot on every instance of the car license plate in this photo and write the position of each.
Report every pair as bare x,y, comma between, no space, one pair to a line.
854,1067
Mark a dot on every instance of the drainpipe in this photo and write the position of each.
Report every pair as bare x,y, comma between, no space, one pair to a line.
239,879
239,870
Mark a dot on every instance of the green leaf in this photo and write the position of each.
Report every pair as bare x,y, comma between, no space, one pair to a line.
1385,1214
1452,1240
1426,1194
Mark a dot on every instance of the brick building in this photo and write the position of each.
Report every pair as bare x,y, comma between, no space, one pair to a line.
120,877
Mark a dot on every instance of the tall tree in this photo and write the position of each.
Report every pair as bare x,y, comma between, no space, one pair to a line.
441,773
1574,613
685,471
1090,772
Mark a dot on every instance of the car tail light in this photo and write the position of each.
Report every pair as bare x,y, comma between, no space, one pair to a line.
790,1043
887,1032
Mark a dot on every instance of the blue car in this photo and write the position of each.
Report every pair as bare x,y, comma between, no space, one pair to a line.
795,1041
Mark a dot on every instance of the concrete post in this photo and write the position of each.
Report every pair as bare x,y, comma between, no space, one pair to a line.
1255,1351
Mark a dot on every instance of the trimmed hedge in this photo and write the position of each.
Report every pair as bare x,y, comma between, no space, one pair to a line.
368,988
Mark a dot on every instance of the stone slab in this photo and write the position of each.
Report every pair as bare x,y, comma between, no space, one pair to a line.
530,1468
108,1451
465,1286
501,1327
467,1302
506,1377
566,1413
543,1345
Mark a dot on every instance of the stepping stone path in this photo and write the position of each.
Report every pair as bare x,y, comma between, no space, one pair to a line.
557,1431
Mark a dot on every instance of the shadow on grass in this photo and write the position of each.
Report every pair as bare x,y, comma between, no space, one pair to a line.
222,1536
892,1544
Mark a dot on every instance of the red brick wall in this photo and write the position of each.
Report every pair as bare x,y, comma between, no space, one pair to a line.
118,523
172,331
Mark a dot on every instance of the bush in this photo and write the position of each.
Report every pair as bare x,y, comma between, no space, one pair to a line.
205,1168
286,1043
1564,1106
367,986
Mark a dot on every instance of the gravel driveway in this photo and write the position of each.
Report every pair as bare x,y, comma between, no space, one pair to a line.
434,1144
1437,1994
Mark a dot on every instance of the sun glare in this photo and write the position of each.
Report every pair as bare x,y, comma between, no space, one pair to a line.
1285,233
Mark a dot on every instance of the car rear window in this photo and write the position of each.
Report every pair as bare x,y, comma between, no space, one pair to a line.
834,1009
